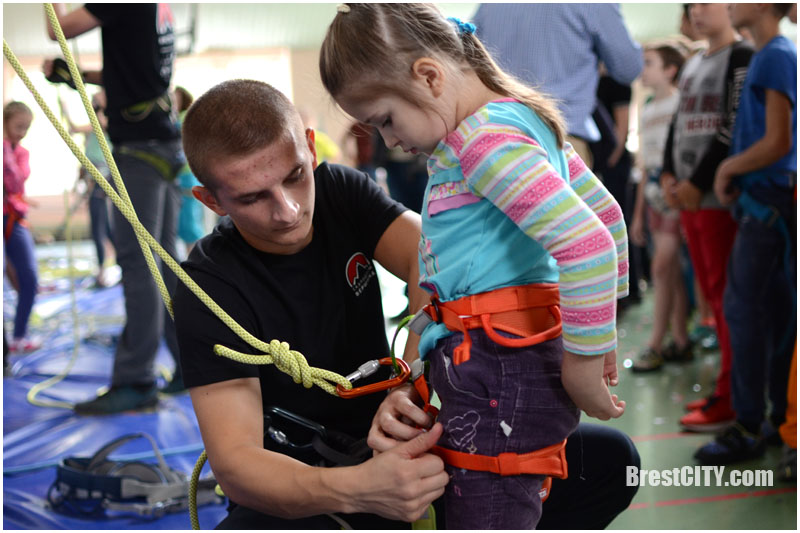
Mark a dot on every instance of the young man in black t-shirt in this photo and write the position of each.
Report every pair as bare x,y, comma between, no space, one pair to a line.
138,53
293,262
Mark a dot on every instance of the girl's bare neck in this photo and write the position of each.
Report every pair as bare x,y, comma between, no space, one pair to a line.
472,95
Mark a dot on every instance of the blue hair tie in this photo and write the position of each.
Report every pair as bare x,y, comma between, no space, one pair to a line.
463,27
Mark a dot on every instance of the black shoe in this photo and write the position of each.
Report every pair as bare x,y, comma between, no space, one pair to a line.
787,467
648,361
119,399
733,445
175,386
674,354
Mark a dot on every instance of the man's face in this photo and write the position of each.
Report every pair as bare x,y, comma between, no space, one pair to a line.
268,194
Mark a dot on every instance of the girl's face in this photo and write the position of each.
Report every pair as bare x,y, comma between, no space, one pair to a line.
16,127
413,128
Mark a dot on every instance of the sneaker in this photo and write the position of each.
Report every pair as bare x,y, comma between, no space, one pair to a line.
770,434
697,404
118,399
700,332
714,416
733,445
710,342
24,345
175,386
678,355
648,361
787,467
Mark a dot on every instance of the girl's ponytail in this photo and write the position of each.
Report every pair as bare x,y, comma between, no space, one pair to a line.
500,82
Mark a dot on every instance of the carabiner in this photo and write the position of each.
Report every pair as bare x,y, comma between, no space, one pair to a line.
405,373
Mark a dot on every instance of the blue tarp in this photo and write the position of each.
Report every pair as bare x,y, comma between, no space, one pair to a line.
36,438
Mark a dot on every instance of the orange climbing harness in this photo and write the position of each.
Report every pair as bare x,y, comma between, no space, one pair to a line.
531,313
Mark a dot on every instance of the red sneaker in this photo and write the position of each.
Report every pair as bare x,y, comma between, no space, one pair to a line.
24,345
714,416
697,404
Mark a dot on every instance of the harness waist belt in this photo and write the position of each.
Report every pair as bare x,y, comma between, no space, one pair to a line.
550,461
530,312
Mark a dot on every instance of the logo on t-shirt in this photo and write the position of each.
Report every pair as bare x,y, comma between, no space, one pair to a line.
359,272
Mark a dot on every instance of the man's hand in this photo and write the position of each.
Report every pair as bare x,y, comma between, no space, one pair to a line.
402,482
725,192
689,196
396,418
668,182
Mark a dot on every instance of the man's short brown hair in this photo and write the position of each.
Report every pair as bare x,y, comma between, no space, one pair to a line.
234,118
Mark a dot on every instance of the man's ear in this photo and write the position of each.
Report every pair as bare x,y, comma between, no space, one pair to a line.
207,198
431,73
312,145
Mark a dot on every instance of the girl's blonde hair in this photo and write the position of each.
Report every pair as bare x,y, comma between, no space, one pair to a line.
15,108
371,48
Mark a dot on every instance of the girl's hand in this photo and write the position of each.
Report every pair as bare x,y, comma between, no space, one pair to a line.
610,375
586,379
396,419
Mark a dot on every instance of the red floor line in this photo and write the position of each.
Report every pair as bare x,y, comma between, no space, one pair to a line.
717,498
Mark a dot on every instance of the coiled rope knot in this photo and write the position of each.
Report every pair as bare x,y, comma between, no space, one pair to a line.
291,362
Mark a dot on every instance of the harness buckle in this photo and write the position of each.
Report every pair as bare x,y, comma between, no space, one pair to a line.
508,464
394,381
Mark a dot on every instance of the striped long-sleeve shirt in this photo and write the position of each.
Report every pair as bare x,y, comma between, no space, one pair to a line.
505,206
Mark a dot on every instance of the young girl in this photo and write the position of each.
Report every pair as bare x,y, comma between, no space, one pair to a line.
516,234
662,62
17,239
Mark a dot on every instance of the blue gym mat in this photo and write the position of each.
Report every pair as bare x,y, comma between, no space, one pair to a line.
35,438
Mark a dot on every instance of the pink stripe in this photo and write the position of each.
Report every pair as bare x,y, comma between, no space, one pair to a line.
451,202
486,144
533,196
596,315
576,166
594,244
610,215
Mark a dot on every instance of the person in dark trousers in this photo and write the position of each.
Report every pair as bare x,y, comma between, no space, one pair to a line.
138,54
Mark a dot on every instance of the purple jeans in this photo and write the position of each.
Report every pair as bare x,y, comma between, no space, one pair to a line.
501,400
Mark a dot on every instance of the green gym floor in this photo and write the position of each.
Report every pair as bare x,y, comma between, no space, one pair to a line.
654,406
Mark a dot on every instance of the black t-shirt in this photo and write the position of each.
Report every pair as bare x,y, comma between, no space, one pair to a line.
138,53
324,301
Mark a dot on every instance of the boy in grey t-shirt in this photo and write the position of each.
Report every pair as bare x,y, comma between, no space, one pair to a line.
699,140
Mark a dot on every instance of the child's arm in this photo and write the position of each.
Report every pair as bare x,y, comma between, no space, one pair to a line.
776,143
596,196
637,225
